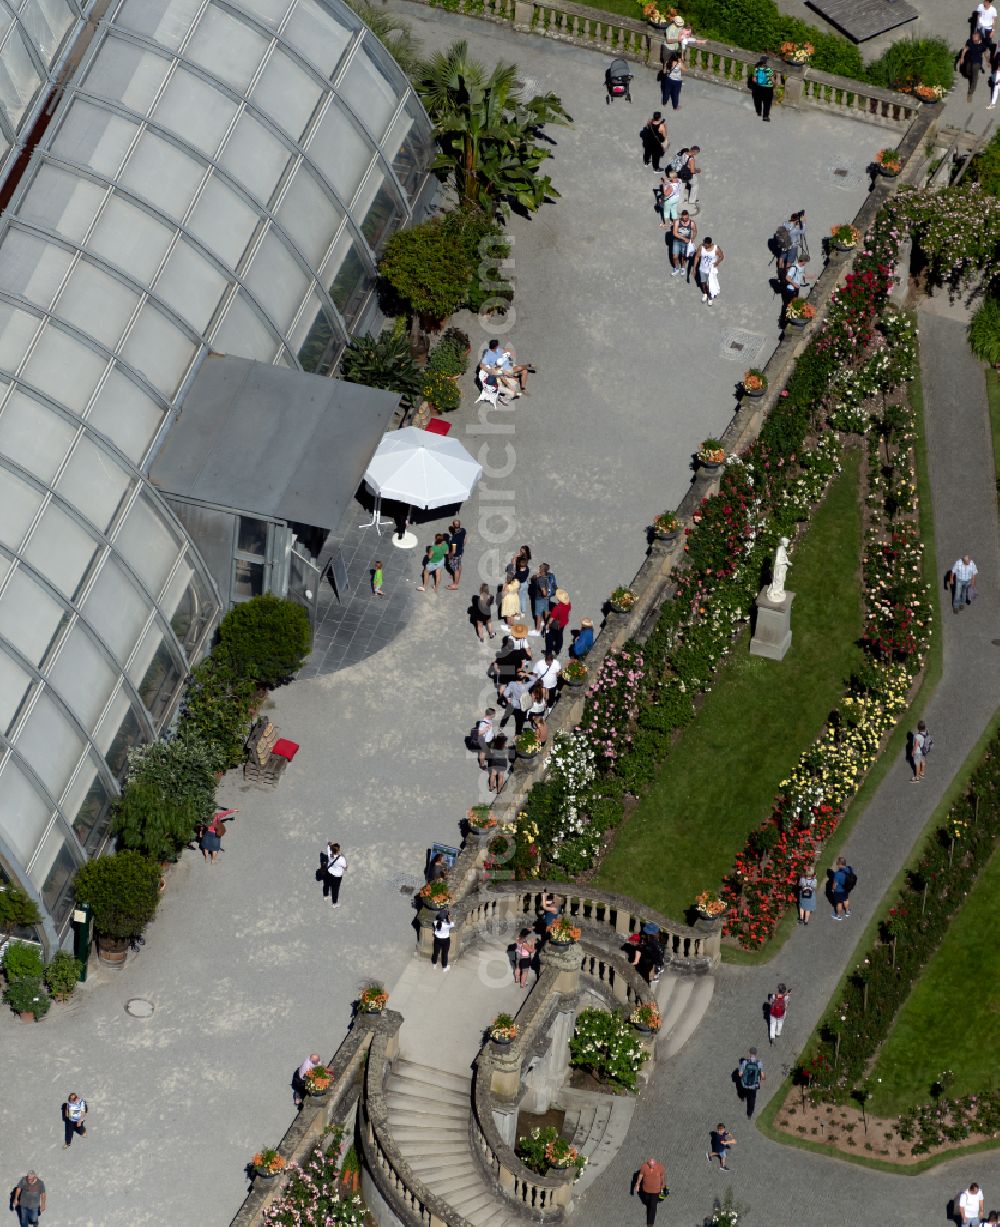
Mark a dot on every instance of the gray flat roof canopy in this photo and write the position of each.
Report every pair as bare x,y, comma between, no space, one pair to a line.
265,440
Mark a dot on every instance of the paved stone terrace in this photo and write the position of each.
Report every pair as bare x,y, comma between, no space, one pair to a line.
247,965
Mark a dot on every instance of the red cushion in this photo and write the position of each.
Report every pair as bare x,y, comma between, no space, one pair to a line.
438,426
287,749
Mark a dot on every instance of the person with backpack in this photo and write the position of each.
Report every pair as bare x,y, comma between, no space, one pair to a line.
751,1075
654,140
777,1008
682,240
843,882
920,747
762,88
336,866
807,894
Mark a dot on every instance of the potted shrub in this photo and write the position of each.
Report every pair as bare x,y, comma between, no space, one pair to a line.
62,976
563,933
447,358
443,393
267,638
844,237
27,997
435,895
622,599
123,890
543,1150
711,455
17,910
929,94
22,961
797,54
889,162
459,338
709,905
646,1018
373,999
318,1081
503,1030
575,673
481,818
754,382
267,1163
800,312
528,744
666,526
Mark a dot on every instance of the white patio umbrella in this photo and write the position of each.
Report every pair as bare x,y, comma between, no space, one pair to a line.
422,469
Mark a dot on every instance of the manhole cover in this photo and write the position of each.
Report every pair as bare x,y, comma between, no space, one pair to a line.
406,884
840,172
741,346
139,1007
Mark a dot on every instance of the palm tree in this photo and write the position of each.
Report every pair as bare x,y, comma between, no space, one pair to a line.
487,133
384,361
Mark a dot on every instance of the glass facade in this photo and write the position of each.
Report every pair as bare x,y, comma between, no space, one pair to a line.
218,176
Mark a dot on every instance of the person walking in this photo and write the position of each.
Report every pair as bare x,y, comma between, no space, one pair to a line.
964,573
436,555
920,745
498,758
972,1206
29,1199
985,18
970,62
671,80
762,88
74,1113
843,881
682,240
994,77
807,894
484,734
751,1075
543,589
377,579
650,1183
312,1061
688,173
211,840
654,140
721,1142
777,1008
558,620
710,256
482,612
510,601
524,956
443,925
456,552
336,866
671,190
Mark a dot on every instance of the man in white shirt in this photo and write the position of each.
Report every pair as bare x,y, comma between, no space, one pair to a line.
485,730
547,672
311,1062
963,576
335,866
74,1113
986,15
971,1206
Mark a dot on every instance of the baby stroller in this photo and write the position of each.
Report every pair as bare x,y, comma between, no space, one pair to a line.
617,81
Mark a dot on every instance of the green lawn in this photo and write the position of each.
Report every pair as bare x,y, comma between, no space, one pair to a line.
949,1021
721,776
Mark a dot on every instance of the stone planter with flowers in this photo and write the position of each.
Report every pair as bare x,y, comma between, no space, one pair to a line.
754,382
666,526
373,999
711,455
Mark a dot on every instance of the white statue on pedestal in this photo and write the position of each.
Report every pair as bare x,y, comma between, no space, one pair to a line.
776,589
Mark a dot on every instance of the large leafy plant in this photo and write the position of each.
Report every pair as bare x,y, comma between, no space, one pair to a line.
385,362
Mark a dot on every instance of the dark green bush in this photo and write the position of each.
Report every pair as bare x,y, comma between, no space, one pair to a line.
448,358
914,61
385,362
123,891
62,975
427,272
266,638
217,707
984,168
27,995
169,789
17,909
984,332
486,253
21,960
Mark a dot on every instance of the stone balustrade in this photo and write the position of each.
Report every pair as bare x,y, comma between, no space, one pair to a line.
385,1173
730,66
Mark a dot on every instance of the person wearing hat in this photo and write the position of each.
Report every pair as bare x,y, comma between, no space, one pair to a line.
583,640
648,954
557,621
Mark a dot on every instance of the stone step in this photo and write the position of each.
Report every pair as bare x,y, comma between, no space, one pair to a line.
398,1102
429,1149
680,994
417,1130
439,1167
496,1213
423,1090
602,1122
697,1003
412,1071
472,1202
458,1189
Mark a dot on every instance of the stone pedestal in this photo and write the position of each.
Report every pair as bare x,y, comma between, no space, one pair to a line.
772,636
794,81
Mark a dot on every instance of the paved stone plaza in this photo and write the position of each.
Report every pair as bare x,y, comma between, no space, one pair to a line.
247,966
